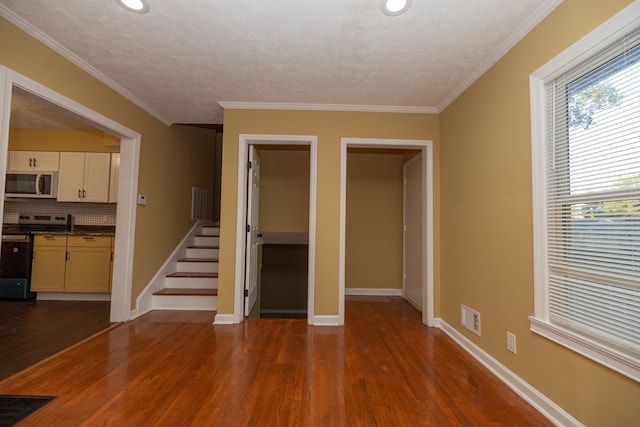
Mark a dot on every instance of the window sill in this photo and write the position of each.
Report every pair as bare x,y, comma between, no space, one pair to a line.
622,363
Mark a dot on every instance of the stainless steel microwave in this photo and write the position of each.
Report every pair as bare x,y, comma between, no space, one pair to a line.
32,184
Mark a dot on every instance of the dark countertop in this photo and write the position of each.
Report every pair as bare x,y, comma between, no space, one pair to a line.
10,228
94,229
78,230
284,238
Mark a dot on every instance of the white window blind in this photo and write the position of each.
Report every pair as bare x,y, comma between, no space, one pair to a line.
592,163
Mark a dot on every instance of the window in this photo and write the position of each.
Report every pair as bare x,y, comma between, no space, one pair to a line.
586,173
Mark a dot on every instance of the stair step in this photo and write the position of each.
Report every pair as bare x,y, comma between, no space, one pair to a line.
203,252
187,291
197,265
210,230
185,299
192,274
204,240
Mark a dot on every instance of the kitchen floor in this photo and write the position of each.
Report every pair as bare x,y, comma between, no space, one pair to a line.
33,330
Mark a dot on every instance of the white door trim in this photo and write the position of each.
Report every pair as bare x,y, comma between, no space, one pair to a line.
427,212
128,179
243,157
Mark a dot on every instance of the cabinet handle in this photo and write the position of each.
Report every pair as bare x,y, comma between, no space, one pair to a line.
84,194
91,239
35,163
67,256
30,162
50,237
79,194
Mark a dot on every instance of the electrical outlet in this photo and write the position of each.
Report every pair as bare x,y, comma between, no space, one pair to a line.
511,342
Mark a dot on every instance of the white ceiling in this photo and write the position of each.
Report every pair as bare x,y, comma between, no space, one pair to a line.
185,56
30,112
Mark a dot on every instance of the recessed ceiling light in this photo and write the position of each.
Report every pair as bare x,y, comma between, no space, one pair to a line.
138,6
395,7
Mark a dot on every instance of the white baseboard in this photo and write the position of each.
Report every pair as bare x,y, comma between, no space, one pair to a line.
394,292
326,321
71,296
546,406
223,319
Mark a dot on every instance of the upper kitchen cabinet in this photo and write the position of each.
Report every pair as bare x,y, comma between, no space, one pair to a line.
113,177
33,160
84,177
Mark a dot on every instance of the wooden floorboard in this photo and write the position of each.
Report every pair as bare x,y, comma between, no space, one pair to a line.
33,330
383,368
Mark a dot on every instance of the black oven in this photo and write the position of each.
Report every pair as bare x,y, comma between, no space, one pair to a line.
15,266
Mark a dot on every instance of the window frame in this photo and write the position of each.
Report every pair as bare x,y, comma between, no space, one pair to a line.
612,30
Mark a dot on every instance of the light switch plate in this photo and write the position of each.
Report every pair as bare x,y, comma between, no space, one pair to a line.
142,199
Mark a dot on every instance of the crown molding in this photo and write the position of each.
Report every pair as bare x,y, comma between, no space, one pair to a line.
545,9
25,26
228,105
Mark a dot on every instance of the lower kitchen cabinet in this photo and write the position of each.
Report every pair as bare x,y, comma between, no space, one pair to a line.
72,263
48,266
88,264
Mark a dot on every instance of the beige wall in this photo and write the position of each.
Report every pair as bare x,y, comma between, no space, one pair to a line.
61,140
329,127
171,159
374,220
486,243
284,189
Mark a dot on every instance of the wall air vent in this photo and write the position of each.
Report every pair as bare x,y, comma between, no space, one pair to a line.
470,319
198,203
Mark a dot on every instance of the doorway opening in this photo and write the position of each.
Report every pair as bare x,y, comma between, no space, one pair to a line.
255,245
388,163
278,212
11,81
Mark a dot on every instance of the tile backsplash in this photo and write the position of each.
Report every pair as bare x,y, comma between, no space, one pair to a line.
83,213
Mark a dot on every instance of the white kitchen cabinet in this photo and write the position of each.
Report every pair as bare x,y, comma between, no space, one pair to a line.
84,177
113,177
33,160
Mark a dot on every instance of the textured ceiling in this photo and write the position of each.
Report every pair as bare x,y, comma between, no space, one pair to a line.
184,56
29,112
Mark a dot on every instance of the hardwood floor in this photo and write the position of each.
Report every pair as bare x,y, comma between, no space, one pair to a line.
383,368
33,330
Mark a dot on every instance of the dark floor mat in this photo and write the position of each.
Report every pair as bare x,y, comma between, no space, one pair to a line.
15,408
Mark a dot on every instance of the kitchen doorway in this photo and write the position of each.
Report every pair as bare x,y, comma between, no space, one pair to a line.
128,175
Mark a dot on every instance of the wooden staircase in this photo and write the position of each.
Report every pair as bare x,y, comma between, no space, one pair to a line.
194,284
